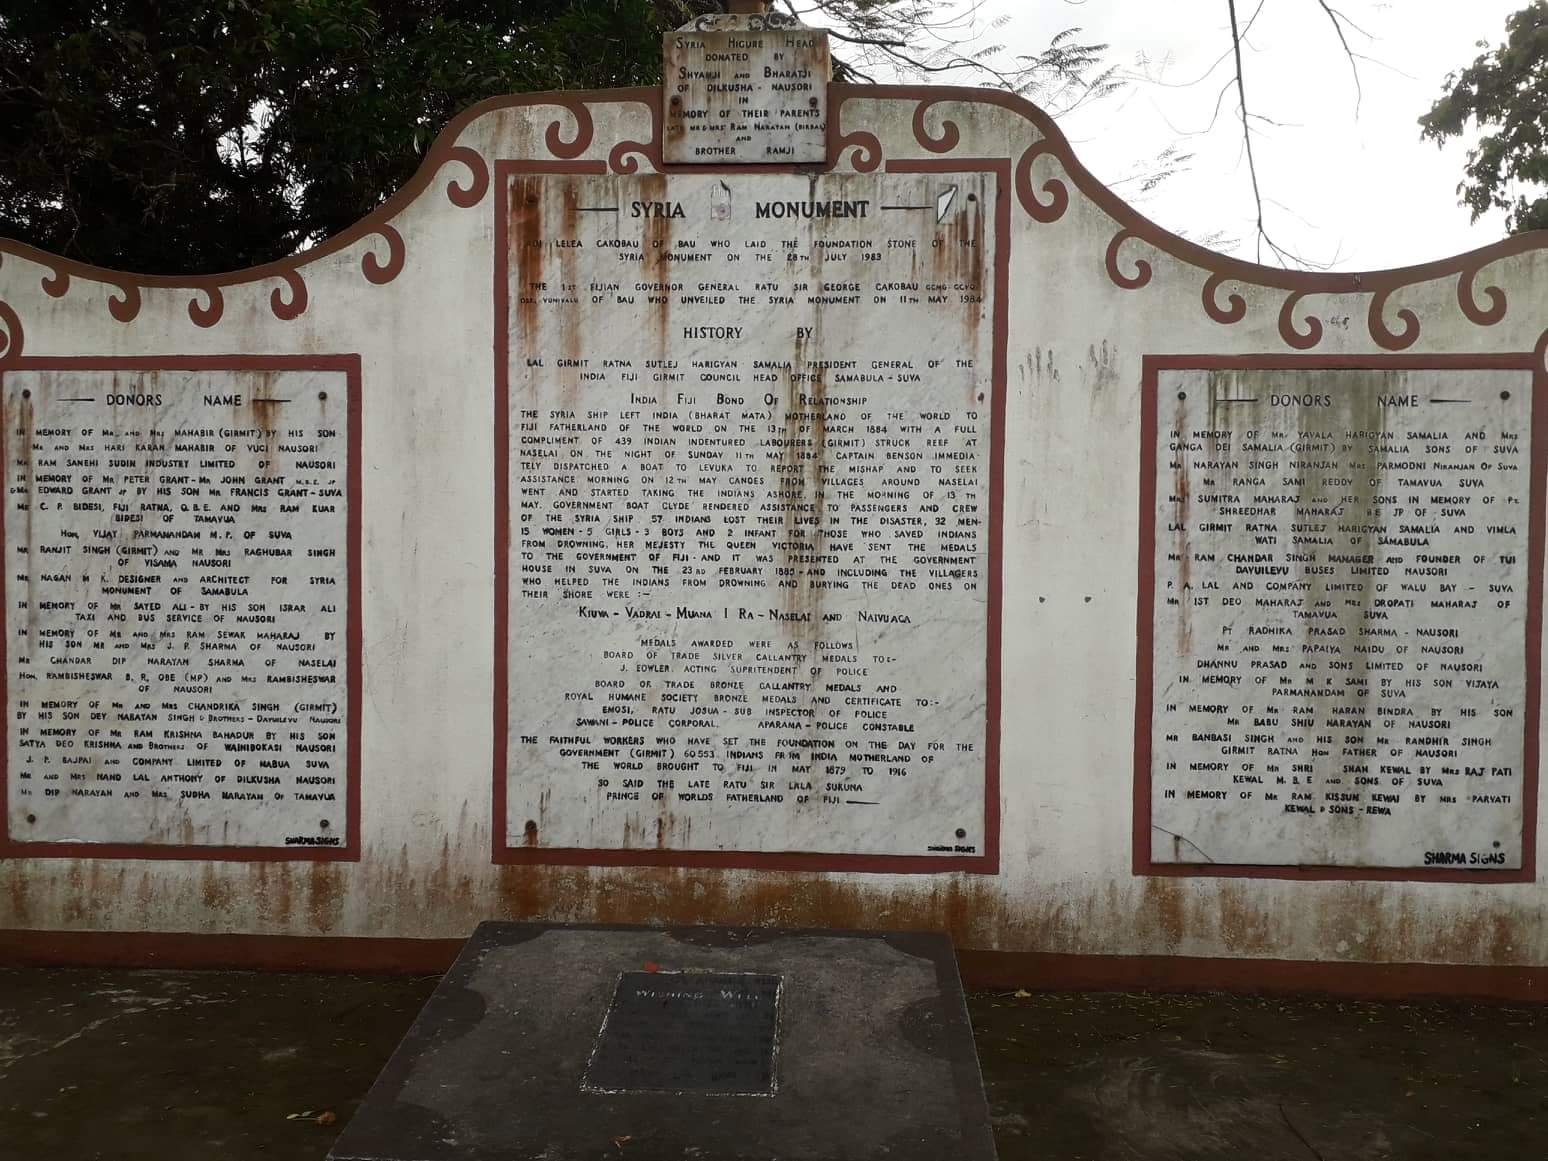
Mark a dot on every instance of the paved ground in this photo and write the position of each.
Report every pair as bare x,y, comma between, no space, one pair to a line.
178,1066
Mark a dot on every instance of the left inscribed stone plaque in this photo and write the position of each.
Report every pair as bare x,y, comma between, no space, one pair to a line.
181,617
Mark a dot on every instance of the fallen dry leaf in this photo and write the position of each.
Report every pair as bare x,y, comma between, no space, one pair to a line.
326,1117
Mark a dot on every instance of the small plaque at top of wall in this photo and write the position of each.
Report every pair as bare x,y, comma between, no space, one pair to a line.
746,90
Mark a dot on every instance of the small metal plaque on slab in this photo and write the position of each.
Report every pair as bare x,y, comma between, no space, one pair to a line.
681,1032
547,1041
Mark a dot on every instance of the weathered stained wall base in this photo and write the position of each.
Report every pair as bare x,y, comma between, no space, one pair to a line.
1050,972
177,950
1035,971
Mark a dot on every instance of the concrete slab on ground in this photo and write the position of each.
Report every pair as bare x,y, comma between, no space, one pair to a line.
549,1041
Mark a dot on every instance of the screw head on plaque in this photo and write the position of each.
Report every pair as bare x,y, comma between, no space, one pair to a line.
748,87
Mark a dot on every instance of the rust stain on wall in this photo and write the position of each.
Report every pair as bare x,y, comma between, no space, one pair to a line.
18,894
271,889
1163,912
216,891
325,896
1244,929
525,231
656,243
1355,922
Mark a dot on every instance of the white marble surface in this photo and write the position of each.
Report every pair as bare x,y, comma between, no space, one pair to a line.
741,93
176,602
749,576
1340,617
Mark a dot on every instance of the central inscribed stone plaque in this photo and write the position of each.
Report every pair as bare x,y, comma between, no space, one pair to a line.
749,605
1341,672
712,1033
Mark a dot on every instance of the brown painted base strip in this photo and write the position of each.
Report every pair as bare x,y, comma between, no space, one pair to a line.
161,949
1035,971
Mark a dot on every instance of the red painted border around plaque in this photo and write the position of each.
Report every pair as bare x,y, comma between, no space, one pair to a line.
998,970
11,848
1144,692
986,863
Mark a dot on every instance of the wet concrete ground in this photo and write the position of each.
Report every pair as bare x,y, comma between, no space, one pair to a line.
221,1066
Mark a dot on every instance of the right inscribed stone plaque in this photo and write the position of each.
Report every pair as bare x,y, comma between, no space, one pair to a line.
1340,670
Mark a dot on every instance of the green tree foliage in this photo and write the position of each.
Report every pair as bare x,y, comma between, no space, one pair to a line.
205,135
1505,92
199,136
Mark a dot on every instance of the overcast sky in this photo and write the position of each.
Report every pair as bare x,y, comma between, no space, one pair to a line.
1359,191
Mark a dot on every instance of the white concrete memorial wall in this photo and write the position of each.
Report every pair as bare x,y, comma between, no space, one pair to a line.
906,533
